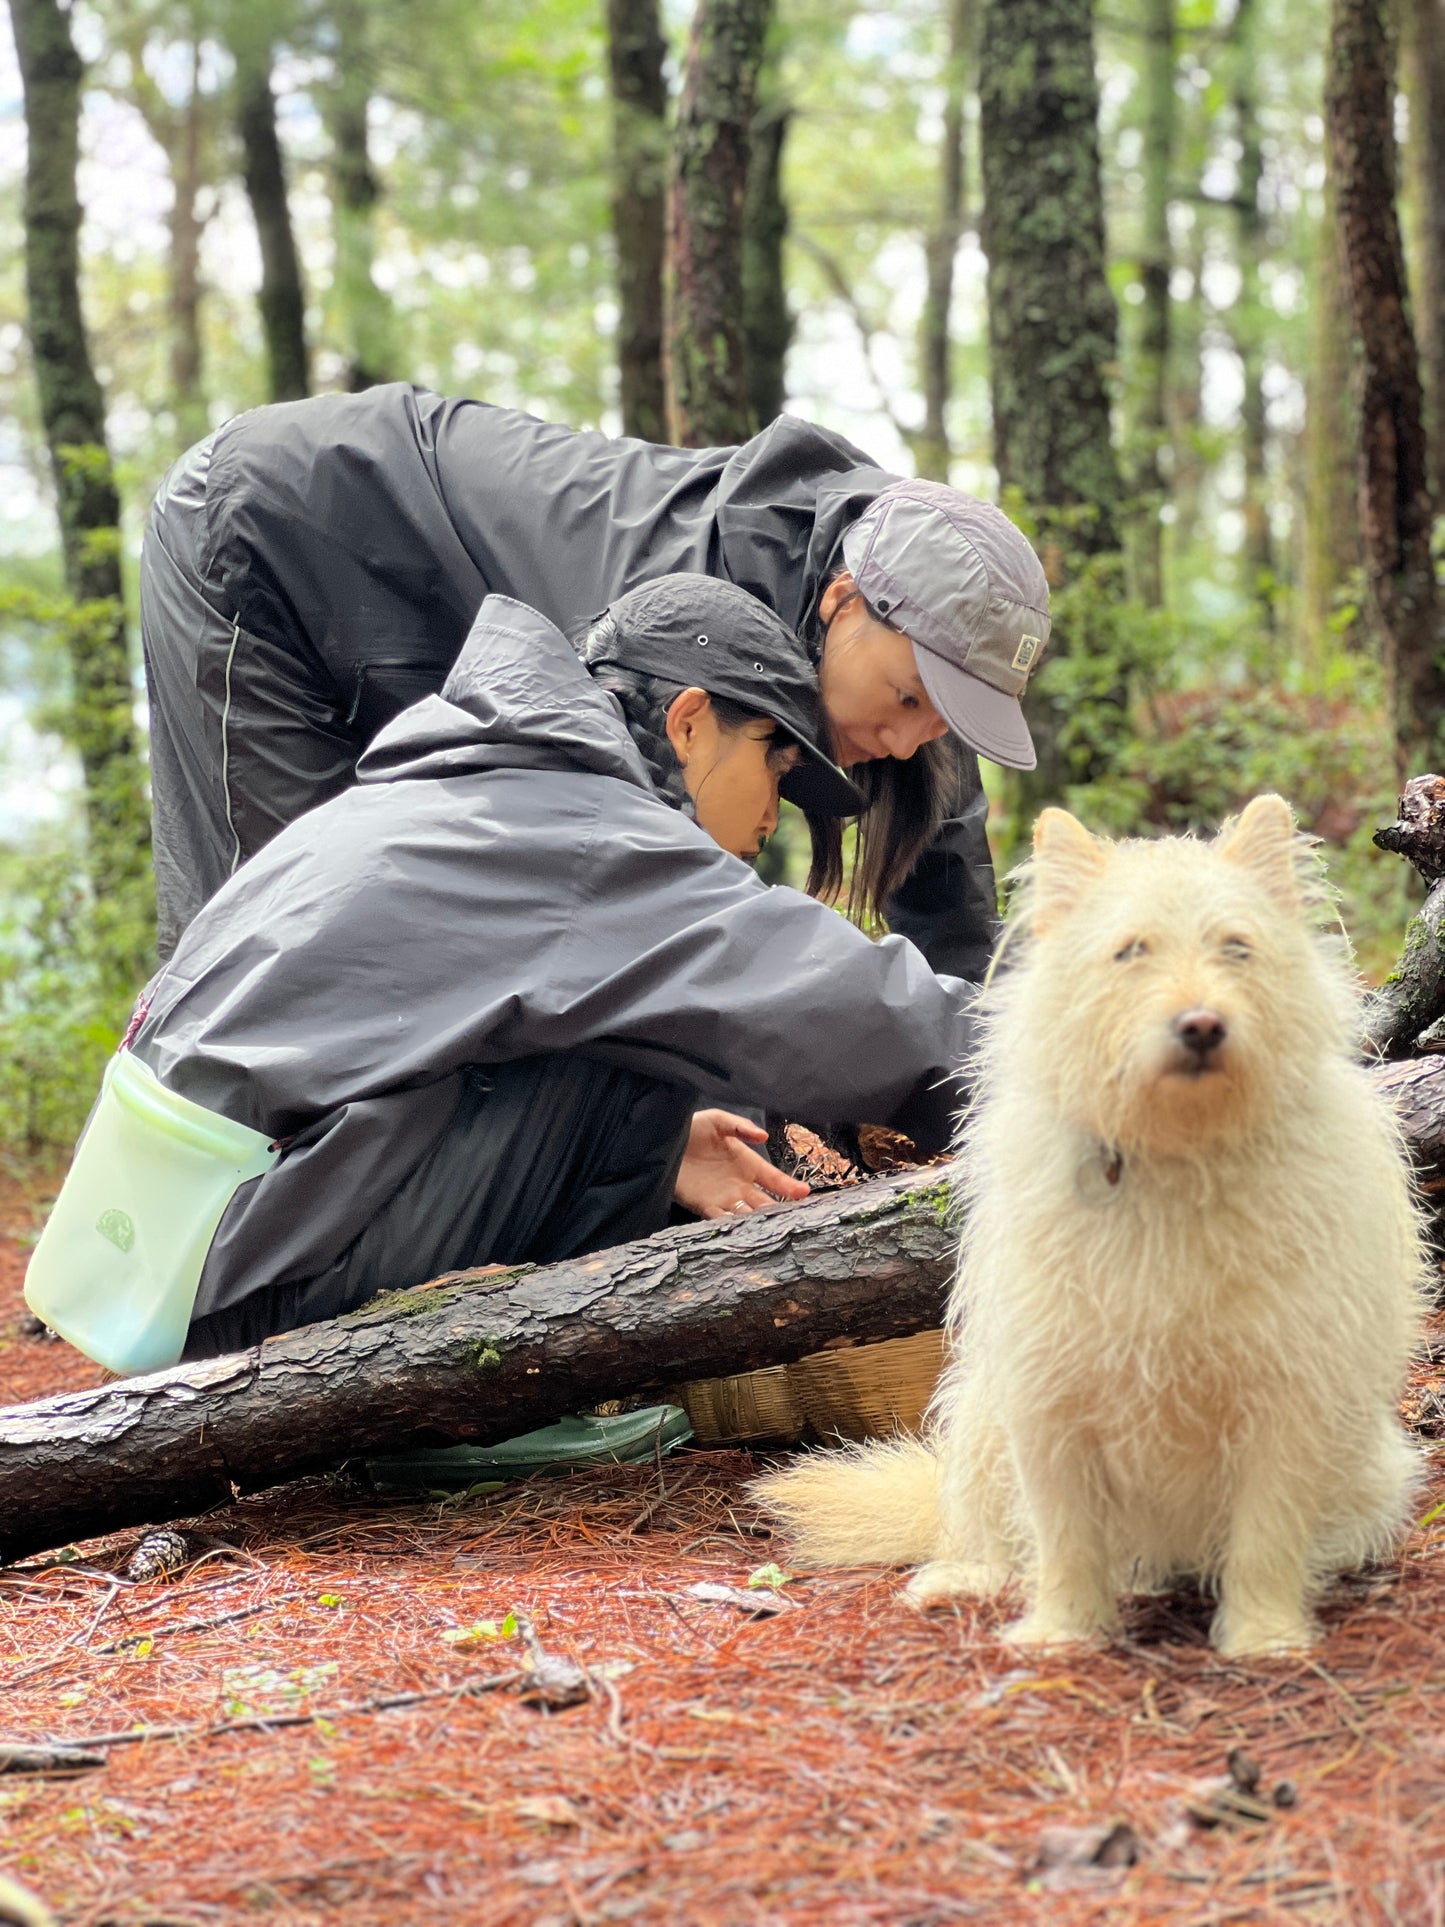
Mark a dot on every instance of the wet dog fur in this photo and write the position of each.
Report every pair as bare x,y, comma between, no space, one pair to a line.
1190,1274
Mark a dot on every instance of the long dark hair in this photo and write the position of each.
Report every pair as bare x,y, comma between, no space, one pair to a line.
907,803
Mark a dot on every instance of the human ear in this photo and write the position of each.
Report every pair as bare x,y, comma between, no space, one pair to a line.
1066,861
1263,842
840,590
684,722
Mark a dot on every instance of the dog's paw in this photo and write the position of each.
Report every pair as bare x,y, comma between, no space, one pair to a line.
944,1580
1052,1629
1257,1636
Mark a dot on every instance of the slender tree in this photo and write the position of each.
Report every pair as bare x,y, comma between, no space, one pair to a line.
636,51
1425,80
931,452
1330,524
102,720
367,325
282,297
185,132
767,319
1150,429
1394,493
1247,312
1053,325
707,379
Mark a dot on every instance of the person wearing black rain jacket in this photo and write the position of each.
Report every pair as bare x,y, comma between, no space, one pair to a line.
312,568
476,998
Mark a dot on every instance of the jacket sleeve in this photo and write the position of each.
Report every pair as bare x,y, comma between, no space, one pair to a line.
948,904
756,995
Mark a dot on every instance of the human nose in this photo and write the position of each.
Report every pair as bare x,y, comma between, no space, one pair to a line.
904,740
770,818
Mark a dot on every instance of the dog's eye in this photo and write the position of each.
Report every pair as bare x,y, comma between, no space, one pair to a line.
1236,949
1136,947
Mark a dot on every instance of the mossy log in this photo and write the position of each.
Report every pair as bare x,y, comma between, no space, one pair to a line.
480,1356
1404,1015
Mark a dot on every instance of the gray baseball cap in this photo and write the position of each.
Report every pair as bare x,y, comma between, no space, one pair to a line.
964,585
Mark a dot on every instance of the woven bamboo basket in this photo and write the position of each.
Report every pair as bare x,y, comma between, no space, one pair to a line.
850,1392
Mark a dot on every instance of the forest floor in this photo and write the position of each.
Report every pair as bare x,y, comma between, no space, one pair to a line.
844,1760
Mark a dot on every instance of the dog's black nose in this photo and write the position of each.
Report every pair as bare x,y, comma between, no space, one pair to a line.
1201,1031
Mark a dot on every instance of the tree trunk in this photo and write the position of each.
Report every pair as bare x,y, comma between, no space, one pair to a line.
767,323
1331,528
636,49
1394,494
1053,326
931,451
1425,82
1248,313
481,1357
367,323
1148,482
101,720
706,378
186,229
282,300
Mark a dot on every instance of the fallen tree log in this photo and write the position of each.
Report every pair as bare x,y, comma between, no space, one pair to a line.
1407,1013
480,1357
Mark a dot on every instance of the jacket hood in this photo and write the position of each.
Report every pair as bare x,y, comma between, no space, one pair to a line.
517,697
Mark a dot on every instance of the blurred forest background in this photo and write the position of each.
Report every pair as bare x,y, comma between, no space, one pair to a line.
1164,277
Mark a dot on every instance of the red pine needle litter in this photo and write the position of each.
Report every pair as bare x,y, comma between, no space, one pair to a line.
550,1705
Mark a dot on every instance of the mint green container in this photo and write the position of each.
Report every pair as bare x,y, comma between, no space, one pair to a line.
117,1266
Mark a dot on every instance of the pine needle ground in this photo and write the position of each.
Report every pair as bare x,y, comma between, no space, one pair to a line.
842,1760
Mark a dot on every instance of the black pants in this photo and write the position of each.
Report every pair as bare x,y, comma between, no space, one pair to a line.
543,1159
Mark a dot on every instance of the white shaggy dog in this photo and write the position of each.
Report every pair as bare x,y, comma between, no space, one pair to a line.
1191,1268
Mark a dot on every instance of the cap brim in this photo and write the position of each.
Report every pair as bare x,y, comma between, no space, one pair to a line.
986,719
818,786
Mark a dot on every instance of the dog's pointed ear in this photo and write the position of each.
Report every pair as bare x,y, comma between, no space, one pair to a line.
1066,860
1263,842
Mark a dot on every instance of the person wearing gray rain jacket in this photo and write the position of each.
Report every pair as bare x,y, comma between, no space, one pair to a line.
312,568
467,1009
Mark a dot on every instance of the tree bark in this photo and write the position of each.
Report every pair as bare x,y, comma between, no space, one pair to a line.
1404,1015
1053,325
767,322
1394,494
366,320
706,377
479,1357
101,718
1331,528
1148,482
1248,313
1425,84
636,49
932,453
282,298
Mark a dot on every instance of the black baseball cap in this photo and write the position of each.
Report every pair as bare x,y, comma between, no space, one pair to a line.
704,634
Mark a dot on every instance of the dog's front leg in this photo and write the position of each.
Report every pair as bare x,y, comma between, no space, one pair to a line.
1264,1581
1063,1490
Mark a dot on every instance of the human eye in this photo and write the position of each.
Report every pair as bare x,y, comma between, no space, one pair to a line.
907,699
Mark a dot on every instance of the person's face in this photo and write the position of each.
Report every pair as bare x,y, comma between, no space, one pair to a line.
732,775
872,692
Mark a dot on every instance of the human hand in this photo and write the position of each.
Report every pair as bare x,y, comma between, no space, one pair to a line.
721,1175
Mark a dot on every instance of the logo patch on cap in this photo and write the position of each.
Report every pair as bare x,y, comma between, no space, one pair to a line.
1028,648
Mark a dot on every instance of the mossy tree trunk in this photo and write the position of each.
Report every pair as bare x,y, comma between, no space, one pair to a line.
101,715
1248,313
931,450
1149,483
366,321
282,298
636,49
767,320
1053,337
1394,492
1052,321
706,376
1331,535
